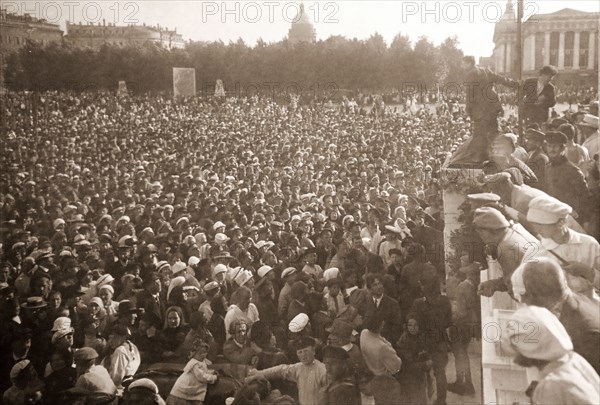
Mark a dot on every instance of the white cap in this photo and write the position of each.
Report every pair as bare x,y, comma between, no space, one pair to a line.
219,268
289,271
547,210
298,323
218,225
536,333
176,282
193,260
331,273
221,238
263,270
178,266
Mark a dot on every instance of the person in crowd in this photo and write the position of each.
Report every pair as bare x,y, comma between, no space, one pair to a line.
466,327
378,353
123,358
539,95
564,376
26,386
564,180
310,374
543,284
494,229
589,128
62,377
191,386
416,362
342,389
92,378
143,391
434,311
263,342
173,333
377,300
577,253
241,309
237,349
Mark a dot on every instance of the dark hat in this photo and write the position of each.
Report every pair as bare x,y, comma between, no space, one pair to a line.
84,354
151,278
334,352
395,252
556,138
535,134
120,330
126,307
341,329
303,342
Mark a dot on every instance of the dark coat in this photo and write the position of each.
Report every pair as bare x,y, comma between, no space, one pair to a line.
579,315
537,163
147,301
536,107
566,182
390,309
482,100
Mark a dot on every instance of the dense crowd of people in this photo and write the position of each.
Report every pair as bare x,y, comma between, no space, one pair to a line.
300,244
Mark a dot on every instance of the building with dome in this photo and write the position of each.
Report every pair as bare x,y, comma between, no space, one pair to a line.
302,29
565,39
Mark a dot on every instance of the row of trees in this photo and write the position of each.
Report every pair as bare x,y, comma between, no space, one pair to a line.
360,65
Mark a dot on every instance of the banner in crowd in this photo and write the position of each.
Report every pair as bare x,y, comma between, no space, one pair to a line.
184,82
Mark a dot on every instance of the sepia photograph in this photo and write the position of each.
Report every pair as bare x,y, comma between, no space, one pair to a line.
345,202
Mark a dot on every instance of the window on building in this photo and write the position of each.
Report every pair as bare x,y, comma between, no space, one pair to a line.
569,42
584,44
539,50
554,39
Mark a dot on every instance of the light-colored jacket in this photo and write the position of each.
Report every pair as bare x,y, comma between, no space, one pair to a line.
192,384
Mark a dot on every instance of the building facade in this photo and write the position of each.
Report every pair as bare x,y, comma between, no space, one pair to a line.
302,29
17,30
565,39
94,36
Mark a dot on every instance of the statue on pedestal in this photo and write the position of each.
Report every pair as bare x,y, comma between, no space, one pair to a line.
219,89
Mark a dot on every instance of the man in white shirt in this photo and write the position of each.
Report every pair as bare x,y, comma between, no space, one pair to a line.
578,254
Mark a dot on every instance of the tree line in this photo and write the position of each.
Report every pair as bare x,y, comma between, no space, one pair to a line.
369,65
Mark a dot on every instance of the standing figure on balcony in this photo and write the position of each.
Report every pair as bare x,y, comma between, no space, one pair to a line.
538,97
483,106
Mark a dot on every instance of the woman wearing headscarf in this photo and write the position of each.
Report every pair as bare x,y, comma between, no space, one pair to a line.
536,338
173,333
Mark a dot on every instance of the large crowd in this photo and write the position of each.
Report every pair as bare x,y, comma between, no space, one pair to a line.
244,238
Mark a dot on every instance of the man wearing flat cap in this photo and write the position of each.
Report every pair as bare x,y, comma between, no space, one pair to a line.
565,181
537,160
513,243
579,254
342,389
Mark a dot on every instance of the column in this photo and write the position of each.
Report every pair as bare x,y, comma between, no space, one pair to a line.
561,50
546,48
508,61
526,53
532,54
576,51
592,51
